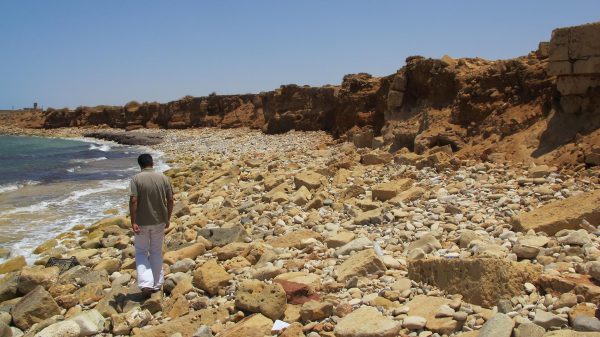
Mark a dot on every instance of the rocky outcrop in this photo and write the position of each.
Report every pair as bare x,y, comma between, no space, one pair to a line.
542,107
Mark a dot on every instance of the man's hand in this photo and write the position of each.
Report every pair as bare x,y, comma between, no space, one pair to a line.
136,228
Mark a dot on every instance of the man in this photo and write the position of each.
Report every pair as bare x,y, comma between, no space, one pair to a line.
150,207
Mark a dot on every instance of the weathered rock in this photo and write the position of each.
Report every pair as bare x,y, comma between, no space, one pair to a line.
414,322
125,322
66,328
90,322
186,325
427,243
499,325
311,180
366,322
481,281
529,330
294,239
562,214
190,252
569,333
548,320
33,308
49,244
222,236
387,191
30,278
9,286
369,217
211,277
354,245
259,297
428,308
14,264
586,323
363,263
339,239
315,311
256,325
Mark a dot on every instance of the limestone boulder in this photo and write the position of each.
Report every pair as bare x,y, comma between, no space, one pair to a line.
387,191
219,237
191,252
309,179
428,308
211,277
259,297
30,278
14,264
294,239
363,263
255,325
33,308
366,322
563,214
481,281
9,286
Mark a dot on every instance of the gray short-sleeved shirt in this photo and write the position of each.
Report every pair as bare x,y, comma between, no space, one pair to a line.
152,190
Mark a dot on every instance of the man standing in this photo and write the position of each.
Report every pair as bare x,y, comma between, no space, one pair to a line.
150,207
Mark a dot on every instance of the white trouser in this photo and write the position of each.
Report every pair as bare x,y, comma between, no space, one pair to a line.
148,256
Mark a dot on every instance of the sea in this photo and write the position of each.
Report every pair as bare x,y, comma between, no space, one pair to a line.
49,185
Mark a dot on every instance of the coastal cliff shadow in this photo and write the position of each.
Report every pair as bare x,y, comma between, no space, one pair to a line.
564,128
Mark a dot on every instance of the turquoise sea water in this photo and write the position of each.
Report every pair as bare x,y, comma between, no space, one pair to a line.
48,185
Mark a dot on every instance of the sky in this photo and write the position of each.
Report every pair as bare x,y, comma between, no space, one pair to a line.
66,53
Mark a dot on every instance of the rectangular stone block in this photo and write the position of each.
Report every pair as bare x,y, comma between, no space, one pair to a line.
584,41
576,85
563,214
559,45
481,281
589,66
558,68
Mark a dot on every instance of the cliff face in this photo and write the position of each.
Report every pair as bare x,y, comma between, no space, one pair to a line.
542,107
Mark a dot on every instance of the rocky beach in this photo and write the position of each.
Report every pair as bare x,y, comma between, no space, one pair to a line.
460,198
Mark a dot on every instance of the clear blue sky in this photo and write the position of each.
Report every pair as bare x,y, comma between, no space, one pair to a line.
88,52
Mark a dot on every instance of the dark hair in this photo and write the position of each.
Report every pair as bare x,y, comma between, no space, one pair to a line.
145,160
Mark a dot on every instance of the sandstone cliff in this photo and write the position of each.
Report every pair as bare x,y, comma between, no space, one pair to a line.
542,107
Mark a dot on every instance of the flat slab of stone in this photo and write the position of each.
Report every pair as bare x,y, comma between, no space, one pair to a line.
427,307
366,322
481,281
562,214
223,236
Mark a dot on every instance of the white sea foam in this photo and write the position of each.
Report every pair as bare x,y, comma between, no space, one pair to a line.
86,161
15,186
100,147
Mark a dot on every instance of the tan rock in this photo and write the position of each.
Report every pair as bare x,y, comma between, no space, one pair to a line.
311,180
48,244
366,322
259,297
312,281
191,252
232,250
256,325
294,330
427,307
14,264
294,239
387,191
376,158
30,278
176,306
363,263
110,265
211,277
410,194
562,214
339,239
33,308
186,325
481,281
315,311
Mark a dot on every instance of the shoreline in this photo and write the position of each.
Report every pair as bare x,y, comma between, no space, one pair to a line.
325,234
74,134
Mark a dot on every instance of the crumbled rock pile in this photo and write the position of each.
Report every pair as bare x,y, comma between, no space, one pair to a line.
334,240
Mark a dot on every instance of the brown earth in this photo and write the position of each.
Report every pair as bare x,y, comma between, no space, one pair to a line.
488,110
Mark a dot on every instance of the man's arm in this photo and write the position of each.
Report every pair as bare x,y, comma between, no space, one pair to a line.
132,214
169,211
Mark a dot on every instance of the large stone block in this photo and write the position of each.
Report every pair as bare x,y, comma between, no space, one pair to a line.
33,308
386,191
588,66
362,263
559,45
481,281
577,85
562,214
395,99
584,41
558,68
